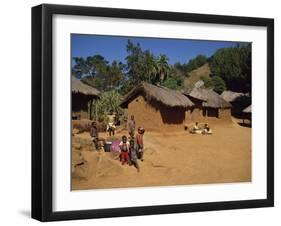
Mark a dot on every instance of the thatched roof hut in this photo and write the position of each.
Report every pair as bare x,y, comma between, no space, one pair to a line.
209,98
79,87
231,96
156,107
163,95
82,99
239,102
247,114
208,105
248,109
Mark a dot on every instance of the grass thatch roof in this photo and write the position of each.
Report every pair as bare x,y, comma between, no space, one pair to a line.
79,87
230,96
165,96
209,98
248,109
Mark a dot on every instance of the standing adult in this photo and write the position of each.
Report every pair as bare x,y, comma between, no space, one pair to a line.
131,127
111,123
95,136
140,142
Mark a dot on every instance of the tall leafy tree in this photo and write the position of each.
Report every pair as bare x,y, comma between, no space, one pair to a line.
89,66
150,67
144,66
134,62
115,74
80,68
233,65
97,72
162,67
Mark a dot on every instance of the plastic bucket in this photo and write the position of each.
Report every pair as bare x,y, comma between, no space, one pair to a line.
107,146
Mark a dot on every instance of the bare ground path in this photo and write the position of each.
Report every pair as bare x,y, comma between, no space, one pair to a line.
177,158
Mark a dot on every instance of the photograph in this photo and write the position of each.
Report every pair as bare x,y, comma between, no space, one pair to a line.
152,111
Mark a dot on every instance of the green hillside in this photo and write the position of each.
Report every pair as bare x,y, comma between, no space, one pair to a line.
196,74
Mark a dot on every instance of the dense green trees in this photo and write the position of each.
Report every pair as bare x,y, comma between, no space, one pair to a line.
230,69
233,65
143,66
216,83
174,82
97,72
196,62
90,66
192,64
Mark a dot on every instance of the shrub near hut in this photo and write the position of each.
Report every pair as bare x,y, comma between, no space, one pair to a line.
109,101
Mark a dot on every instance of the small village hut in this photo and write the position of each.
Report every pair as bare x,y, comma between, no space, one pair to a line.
208,105
248,109
231,96
239,101
247,114
156,107
83,97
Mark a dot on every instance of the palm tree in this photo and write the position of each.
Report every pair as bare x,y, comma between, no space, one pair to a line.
162,67
150,69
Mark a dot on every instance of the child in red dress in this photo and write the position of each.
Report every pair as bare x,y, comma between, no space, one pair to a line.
124,147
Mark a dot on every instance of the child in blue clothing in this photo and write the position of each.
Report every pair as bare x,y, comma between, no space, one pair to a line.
133,150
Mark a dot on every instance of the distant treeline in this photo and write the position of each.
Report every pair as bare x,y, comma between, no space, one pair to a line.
230,69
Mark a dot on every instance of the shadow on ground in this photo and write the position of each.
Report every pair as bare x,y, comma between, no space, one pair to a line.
25,213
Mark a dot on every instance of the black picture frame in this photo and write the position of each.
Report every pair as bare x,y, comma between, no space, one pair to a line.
42,111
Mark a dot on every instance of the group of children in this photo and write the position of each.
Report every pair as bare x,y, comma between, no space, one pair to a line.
132,148
205,131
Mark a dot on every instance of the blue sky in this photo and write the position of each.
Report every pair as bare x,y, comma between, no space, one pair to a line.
114,47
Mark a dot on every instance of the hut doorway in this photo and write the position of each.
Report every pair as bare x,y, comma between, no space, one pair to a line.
172,115
211,112
82,106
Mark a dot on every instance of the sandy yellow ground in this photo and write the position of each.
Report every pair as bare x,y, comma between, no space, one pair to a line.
178,158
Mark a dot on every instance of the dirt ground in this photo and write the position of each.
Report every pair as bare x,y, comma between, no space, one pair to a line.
174,158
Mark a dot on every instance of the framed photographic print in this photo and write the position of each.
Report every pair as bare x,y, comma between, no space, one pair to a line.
146,112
